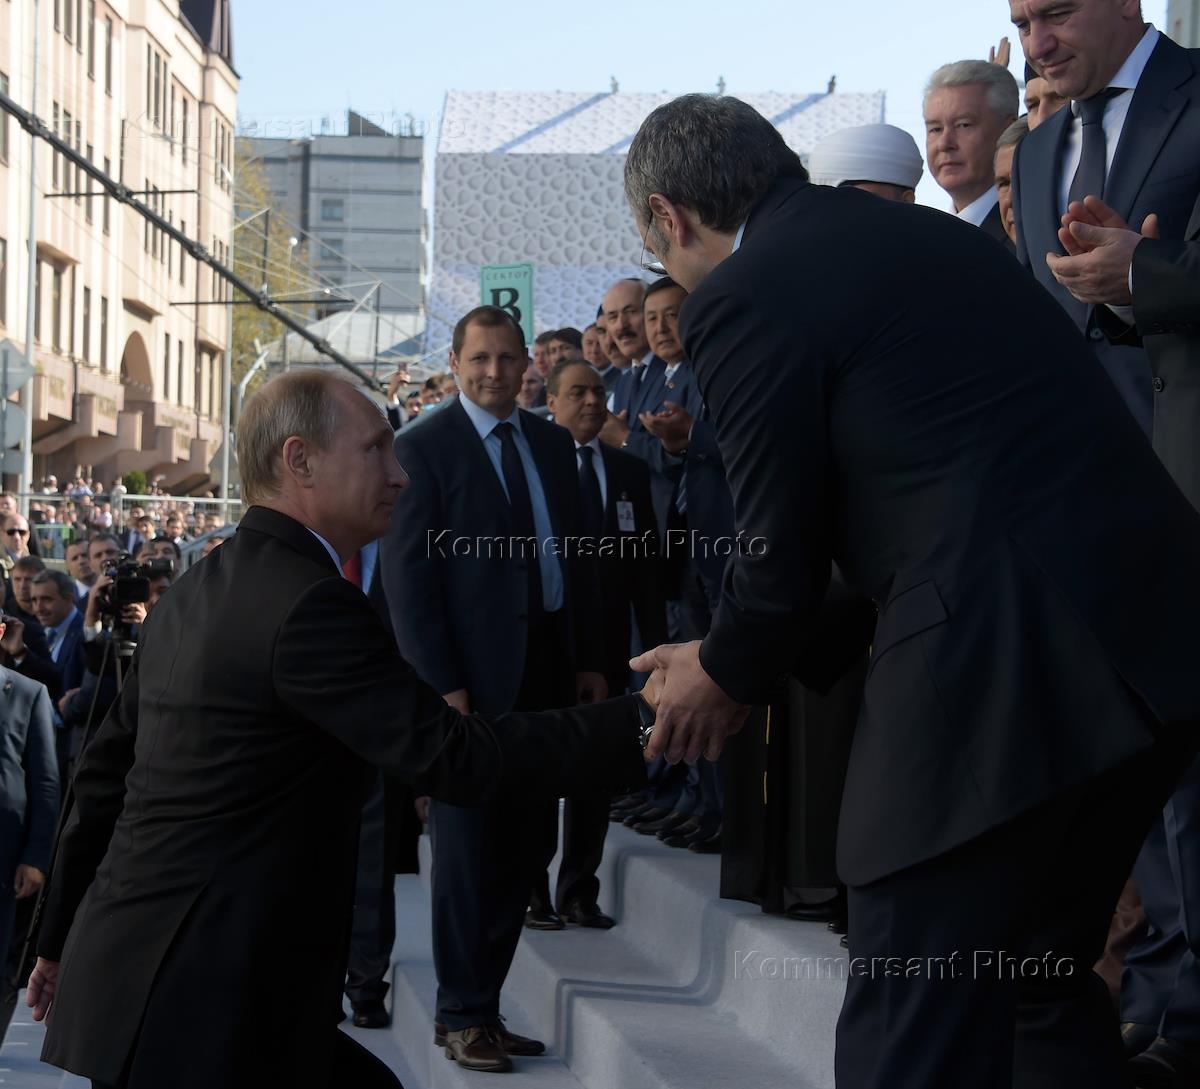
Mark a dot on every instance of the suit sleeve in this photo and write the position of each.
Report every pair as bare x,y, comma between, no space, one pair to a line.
41,669
335,666
99,790
1166,286
41,785
766,388
413,578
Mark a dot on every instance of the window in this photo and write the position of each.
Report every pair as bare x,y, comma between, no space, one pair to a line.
183,138
179,374
68,175
54,157
149,82
3,122
78,24
77,174
108,54
56,304
69,20
106,212
148,198
330,252
91,39
170,247
171,121
166,393
87,210
58,14
156,113
71,317
3,282
103,333
332,210
85,349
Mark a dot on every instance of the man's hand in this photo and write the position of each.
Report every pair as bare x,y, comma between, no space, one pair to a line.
590,687
396,379
27,881
672,427
134,613
1000,54
65,699
459,700
39,994
693,715
91,613
13,640
1099,245
615,430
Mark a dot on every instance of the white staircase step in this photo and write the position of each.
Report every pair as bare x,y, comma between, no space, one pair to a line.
687,991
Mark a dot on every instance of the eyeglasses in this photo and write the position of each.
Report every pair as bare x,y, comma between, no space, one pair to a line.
17,532
655,266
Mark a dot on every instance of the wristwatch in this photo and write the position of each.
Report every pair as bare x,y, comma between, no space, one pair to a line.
646,717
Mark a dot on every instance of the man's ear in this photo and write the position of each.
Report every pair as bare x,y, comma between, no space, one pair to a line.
296,457
668,219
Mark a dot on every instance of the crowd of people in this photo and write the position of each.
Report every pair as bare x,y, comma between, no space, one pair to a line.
606,436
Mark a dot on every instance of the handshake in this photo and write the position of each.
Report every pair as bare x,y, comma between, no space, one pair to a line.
693,715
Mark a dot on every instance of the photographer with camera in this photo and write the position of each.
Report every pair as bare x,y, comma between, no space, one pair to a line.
117,607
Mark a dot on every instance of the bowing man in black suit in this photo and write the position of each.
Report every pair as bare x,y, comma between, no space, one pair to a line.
619,518
494,624
1131,136
1031,695
1160,993
199,907
968,105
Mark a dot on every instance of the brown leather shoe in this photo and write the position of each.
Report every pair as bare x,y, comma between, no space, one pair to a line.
510,1041
478,1048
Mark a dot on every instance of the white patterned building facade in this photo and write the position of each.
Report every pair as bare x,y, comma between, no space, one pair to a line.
537,177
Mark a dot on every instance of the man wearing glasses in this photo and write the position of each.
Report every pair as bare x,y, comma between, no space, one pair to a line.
16,536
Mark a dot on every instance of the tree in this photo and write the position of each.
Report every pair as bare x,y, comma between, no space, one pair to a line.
263,254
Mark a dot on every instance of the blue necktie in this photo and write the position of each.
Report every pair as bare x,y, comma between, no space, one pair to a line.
1093,154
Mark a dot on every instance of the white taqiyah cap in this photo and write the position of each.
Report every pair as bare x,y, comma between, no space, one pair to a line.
876,153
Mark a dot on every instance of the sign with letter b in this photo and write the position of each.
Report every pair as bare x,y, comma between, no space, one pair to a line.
510,287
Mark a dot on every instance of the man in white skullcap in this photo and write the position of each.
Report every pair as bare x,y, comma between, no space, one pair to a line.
881,159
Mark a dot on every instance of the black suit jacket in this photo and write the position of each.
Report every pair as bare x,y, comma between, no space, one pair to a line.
211,849
1166,310
993,227
1156,168
459,607
28,781
630,569
1034,564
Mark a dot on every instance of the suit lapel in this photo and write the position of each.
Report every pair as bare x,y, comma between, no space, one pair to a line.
1039,209
650,391
1153,113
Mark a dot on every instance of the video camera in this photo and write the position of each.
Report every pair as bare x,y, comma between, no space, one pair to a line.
130,583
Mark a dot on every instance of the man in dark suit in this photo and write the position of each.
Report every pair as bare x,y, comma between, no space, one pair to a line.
200,902
1031,695
1160,998
494,624
28,793
619,518
1131,137
968,105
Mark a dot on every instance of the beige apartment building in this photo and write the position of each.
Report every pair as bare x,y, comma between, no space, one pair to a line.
128,369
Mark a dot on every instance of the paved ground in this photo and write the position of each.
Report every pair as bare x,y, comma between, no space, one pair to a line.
19,1065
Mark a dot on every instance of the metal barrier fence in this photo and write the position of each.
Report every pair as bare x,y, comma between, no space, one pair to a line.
55,520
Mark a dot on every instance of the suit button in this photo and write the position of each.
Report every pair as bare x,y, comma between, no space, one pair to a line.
1159,385
1096,334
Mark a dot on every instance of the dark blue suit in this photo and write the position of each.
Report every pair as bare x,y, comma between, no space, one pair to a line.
28,787
462,617
1156,168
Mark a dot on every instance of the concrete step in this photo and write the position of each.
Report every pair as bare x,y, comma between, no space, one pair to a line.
687,990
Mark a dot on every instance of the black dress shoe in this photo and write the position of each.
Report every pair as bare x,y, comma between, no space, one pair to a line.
840,925
370,1013
710,846
682,837
647,816
826,911
544,919
686,829
1166,1064
589,915
672,820
1136,1038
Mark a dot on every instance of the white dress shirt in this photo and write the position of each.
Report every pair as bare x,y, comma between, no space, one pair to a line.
597,464
328,548
980,208
1115,111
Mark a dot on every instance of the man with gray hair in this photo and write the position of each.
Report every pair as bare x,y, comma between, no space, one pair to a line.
968,104
201,898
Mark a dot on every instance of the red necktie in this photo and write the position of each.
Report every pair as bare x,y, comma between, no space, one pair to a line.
352,569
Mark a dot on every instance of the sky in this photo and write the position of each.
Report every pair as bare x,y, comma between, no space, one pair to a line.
402,56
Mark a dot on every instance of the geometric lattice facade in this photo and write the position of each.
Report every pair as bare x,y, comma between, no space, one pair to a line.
528,176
